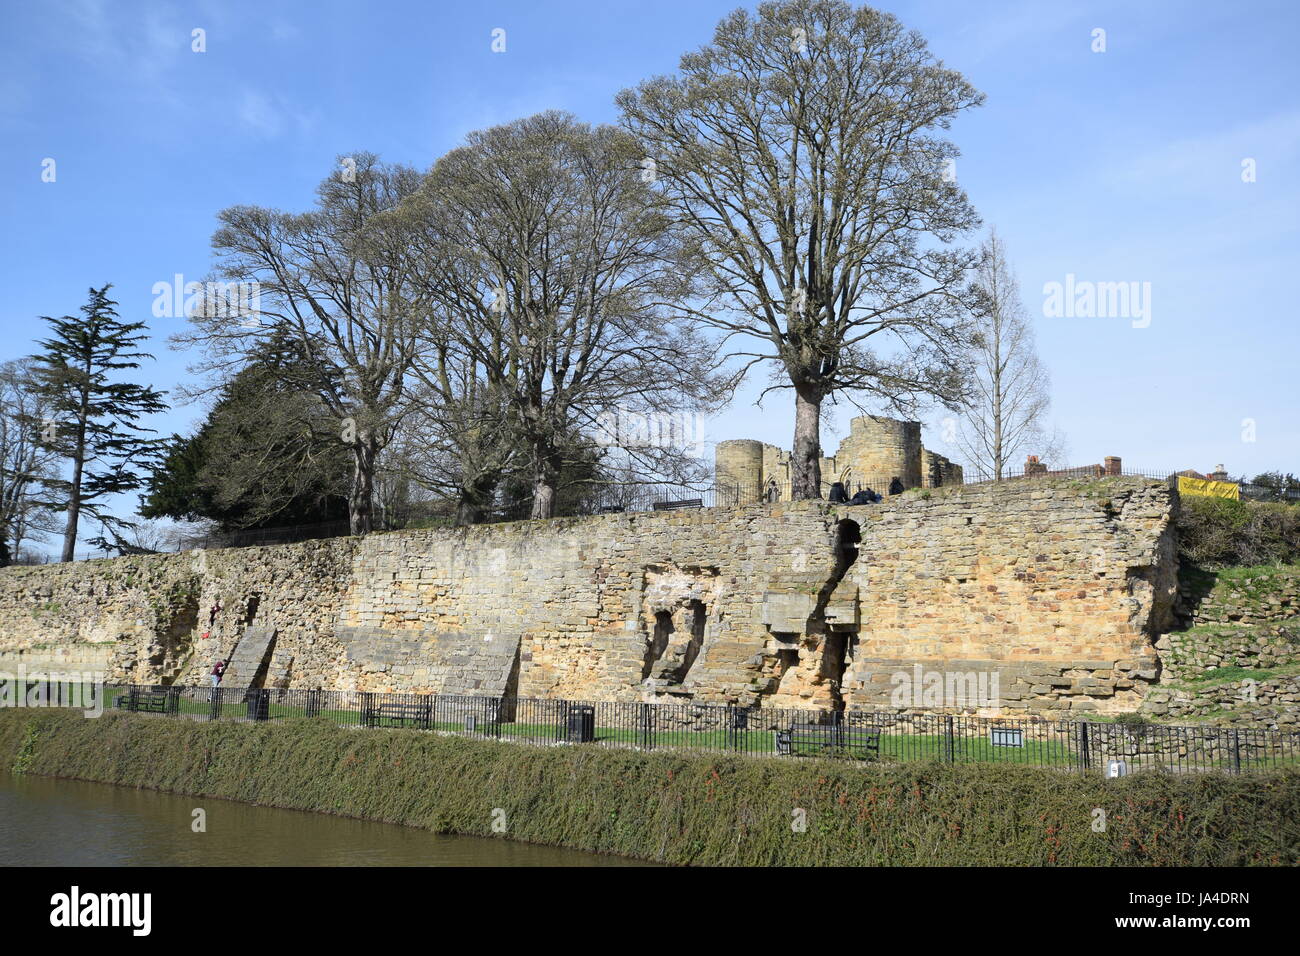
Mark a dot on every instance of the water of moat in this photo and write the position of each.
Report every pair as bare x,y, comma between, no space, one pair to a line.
49,822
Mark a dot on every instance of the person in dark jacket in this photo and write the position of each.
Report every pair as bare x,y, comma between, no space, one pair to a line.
895,487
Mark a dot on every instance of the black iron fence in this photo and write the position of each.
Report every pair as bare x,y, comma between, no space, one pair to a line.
1110,748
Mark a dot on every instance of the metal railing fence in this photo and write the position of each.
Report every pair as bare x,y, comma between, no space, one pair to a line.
756,731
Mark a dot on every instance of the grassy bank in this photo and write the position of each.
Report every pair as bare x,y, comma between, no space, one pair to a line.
680,808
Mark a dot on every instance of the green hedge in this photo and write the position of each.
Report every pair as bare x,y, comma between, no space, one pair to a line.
701,810
1217,532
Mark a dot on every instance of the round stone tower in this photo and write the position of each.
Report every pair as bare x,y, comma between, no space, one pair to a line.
881,449
738,470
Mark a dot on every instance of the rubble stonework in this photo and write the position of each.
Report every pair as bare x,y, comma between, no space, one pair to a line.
1058,587
876,451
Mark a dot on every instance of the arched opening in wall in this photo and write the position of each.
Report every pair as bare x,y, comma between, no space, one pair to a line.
833,663
251,608
659,638
848,535
695,614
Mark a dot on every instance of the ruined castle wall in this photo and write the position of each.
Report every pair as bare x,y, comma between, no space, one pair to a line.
1054,585
878,449
147,619
1059,588
738,470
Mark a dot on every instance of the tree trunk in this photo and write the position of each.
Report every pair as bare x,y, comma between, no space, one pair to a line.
806,459
361,501
74,503
475,498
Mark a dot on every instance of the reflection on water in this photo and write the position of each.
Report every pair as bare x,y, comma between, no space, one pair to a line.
49,822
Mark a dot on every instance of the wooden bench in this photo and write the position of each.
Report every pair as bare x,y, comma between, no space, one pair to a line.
836,739
677,505
399,715
165,701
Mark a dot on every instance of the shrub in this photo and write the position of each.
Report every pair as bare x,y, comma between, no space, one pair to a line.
701,809
1217,532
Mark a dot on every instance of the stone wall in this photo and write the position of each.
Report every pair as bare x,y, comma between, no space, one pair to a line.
1188,654
1236,658
1056,587
879,449
1270,702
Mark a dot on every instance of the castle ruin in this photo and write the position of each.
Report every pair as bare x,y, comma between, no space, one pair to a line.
877,451
1054,590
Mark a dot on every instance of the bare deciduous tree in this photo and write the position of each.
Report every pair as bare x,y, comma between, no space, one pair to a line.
799,152
546,262
463,420
332,287
25,462
1009,400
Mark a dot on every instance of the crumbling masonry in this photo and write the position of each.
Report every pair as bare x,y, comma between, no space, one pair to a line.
1057,587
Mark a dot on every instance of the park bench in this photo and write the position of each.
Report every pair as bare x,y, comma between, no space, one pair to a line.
828,738
678,505
399,715
164,701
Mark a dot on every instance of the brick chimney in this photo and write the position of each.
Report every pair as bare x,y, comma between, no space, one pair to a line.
1113,465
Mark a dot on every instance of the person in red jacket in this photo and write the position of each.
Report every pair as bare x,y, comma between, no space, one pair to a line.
218,669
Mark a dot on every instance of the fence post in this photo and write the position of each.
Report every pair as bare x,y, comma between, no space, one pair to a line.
1085,756
647,727
313,702
950,754
1236,750
215,713
562,724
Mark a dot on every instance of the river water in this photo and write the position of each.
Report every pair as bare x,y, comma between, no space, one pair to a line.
49,822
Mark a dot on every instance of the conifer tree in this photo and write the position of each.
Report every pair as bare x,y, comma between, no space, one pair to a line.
94,420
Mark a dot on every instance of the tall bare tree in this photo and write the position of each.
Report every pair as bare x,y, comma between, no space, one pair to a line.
25,461
464,421
546,262
1009,400
800,152
331,285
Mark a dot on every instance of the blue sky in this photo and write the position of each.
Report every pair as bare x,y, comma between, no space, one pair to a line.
1124,165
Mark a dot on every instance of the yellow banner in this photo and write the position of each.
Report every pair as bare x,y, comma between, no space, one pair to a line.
1209,489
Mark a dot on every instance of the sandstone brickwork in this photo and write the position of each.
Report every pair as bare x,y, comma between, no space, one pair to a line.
876,451
1057,587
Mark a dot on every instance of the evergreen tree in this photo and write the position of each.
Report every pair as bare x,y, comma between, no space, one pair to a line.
268,455
95,421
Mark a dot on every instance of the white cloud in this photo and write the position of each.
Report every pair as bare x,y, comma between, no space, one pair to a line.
1214,158
271,115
